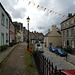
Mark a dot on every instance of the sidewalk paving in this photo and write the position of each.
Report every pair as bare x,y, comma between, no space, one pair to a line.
4,54
15,64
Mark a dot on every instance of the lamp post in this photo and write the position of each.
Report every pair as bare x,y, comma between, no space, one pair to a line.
28,19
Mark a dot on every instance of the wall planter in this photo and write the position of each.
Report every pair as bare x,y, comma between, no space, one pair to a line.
3,47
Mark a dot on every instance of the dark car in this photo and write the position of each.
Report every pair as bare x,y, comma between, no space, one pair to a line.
60,52
52,48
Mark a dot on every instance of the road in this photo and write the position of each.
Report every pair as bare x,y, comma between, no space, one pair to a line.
57,60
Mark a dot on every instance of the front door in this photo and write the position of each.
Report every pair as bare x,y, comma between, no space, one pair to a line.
67,42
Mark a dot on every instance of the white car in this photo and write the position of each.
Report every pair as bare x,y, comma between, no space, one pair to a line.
40,48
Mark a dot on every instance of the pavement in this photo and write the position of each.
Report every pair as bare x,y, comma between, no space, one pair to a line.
4,54
15,63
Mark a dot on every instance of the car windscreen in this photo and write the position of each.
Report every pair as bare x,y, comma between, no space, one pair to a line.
38,44
53,47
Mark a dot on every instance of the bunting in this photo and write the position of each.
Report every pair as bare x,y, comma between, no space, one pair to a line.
51,11
48,10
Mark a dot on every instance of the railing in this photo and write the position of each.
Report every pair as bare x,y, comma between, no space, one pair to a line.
44,65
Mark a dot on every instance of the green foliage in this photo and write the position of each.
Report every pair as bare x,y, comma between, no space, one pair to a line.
29,63
68,49
3,47
12,43
31,45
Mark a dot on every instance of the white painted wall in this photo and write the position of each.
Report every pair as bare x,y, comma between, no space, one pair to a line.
3,29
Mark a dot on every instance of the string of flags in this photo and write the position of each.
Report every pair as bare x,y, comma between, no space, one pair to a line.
51,11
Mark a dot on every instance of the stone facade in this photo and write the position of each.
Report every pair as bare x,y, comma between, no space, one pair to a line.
53,38
68,29
35,36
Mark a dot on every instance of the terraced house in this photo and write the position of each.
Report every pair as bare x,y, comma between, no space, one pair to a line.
68,31
4,26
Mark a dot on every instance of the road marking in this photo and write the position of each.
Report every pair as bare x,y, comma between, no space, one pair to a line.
61,59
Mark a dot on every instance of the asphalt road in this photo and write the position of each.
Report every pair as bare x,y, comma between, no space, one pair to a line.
57,60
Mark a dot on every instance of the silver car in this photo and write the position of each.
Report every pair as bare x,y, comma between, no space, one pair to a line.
40,48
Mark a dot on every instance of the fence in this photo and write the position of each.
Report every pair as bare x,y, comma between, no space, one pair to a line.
44,65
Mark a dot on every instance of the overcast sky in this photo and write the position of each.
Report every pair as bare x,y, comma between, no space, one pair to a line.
20,10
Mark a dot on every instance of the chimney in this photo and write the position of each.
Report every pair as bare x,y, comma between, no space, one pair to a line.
48,30
69,15
54,28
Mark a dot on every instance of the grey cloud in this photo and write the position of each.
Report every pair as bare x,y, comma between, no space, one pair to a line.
18,13
15,13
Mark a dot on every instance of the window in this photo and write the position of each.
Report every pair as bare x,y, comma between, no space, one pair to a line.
6,23
2,19
67,33
73,44
2,38
64,43
72,31
63,33
6,37
67,42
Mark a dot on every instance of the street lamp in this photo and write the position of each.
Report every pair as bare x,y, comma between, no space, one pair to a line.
28,19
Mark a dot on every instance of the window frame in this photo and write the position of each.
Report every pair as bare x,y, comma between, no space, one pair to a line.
6,23
2,19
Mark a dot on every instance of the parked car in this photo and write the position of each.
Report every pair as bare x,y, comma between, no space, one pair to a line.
60,52
40,48
52,48
66,72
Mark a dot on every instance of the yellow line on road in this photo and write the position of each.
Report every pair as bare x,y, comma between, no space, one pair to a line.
62,59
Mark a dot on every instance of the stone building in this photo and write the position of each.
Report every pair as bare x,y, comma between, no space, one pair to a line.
53,38
68,31
19,26
36,36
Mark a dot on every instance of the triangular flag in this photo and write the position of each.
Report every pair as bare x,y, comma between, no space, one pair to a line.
37,6
29,3
63,15
59,14
47,10
41,6
50,11
44,9
34,4
55,12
